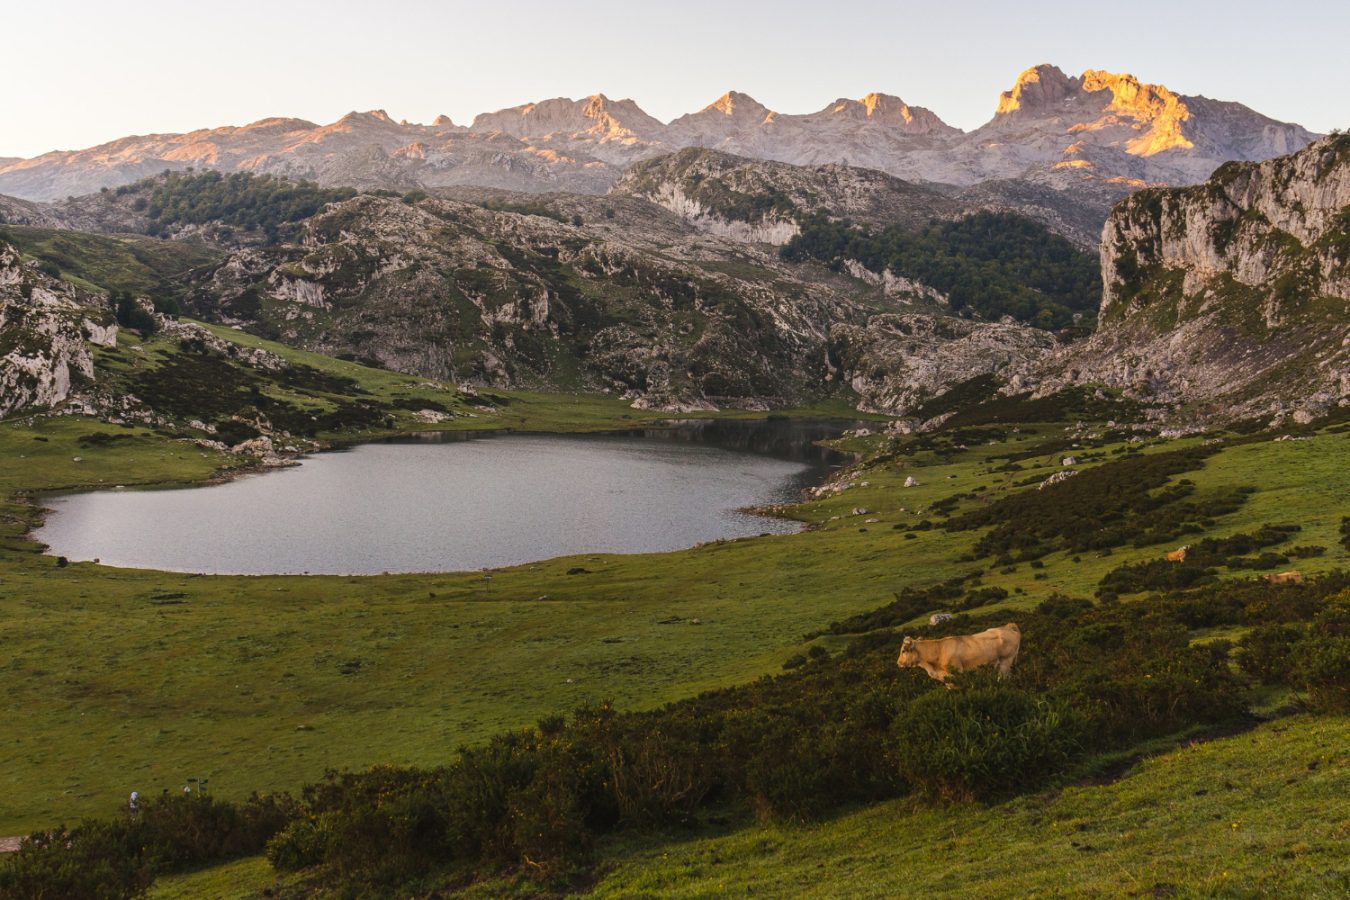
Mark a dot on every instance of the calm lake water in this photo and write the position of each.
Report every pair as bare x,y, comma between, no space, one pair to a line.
453,502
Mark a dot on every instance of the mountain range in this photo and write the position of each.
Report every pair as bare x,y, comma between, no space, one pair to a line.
1068,146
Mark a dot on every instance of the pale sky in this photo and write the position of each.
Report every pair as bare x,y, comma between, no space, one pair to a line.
81,73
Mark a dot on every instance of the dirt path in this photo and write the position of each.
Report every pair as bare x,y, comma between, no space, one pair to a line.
10,844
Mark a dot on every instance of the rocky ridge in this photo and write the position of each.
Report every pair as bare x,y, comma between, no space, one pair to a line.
758,201
1229,299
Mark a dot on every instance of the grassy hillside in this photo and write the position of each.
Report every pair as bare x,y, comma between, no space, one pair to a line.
144,266
1258,814
154,650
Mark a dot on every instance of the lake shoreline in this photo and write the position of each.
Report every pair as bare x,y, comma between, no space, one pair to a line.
807,461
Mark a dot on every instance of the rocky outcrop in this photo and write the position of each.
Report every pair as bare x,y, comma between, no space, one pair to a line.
46,327
1132,129
616,131
1230,299
754,200
896,362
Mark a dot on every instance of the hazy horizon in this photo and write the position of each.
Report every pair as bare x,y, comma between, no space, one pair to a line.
152,67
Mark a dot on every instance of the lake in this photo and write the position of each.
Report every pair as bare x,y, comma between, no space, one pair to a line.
448,502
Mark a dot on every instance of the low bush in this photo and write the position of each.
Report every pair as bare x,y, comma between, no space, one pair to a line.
983,741
120,858
1323,657
1266,653
1125,501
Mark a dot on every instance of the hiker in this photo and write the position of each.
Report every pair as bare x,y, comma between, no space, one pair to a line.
134,804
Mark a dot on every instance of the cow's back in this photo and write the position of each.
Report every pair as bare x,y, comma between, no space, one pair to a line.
962,652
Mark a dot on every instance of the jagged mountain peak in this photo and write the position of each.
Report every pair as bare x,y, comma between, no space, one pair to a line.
1126,132
372,115
278,123
1037,88
737,105
596,115
883,109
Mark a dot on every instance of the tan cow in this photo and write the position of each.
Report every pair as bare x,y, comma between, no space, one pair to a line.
1178,555
941,657
1291,577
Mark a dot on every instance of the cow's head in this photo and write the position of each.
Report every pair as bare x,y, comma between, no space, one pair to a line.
909,653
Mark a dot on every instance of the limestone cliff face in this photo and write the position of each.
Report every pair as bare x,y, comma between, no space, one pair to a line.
46,327
1230,299
1249,222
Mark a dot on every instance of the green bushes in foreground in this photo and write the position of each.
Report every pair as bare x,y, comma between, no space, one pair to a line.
983,742
120,858
1312,656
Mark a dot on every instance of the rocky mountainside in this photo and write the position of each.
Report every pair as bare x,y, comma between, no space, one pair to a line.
579,292
1065,148
762,201
46,329
1229,299
14,211
363,150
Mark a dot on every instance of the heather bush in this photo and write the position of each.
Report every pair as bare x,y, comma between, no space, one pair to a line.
983,741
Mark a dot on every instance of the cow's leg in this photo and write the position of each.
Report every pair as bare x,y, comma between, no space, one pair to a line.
935,673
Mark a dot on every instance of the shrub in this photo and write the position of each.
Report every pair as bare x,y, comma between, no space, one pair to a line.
299,845
1125,501
982,741
1267,652
1162,694
120,858
1323,657
659,775
97,860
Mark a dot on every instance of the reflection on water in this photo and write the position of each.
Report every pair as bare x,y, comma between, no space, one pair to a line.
453,501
